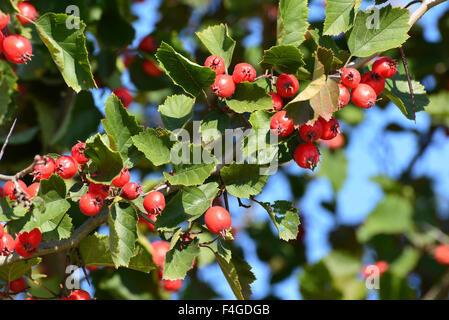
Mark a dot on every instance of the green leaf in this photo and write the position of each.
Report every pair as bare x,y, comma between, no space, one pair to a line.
8,6
8,213
285,218
437,108
113,30
283,58
405,263
8,80
176,111
339,16
223,249
155,144
299,112
180,259
243,180
14,271
122,126
249,97
334,166
57,228
105,164
68,49
214,125
367,38
217,40
122,233
191,77
292,22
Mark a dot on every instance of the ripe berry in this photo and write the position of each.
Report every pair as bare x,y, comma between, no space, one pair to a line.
216,63
98,189
385,67
78,153
172,285
154,202
364,96
152,217
368,270
152,69
10,189
334,143
287,85
278,103
223,86
158,251
7,244
26,243
128,59
66,167
2,232
281,125
311,133
374,80
123,179
331,128
44,168
306,155
90,204
344,96
2,37
28,11
243,72
131,191
441,254
4,20
33,189
350,77
125,97
17,49
79,295
217,219
17,285
148,44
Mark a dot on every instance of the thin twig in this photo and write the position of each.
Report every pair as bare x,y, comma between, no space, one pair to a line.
241,204
410,85
7,138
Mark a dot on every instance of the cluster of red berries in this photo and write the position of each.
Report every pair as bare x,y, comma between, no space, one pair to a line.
25,244
17,48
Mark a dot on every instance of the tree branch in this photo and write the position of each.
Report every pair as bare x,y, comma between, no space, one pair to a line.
2,152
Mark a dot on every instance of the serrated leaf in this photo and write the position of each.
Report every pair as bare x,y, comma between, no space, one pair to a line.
334,166
437,108
8,82
339,16
299,112
8,213
283,58
57,228
155,145
249,97
67,48
217,40
176,111
179,260
214,125
292,22
14,271
223,249
243,180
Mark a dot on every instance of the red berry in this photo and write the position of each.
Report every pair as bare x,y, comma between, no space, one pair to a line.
92,268
344,96
28,11
243,72
368,270
98,189
123,179
306,155
216,63
17,49
223,86
26,243
131,191
217,219
152,69
364,96
385,67
172,285
152,217
128,59
33,189
2,37
79,295
17,285
331,128
287,85
148,44
311,133
4,20
125,97
10,189
278,103
158,251
281,125
154,202
441,254
350,77
78,153
7,244
2,232
374,80
66,167
334,143
90,204
44,168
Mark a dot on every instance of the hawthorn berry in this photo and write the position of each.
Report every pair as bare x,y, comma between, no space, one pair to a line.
334,143
281,125
344,96
217,219
385,67
150,225
33,189
90,204
331,128
44,168
350,77
2,232
28,11
148,44
125,97
92,268
66,167
4,20
223,86
154,202
123,179
243,72
98,189
131,191
17,285
368,270
17,49
26,242
10,189
278,103
172,285
151,68
216,63
287,85
158,250
79,295
306,155
78,153
441,254
7,244
2,37
311,133
374,80
364,96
